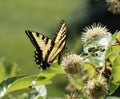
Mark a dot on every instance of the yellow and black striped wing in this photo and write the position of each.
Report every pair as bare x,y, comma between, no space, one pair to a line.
59,41
43,45
46,49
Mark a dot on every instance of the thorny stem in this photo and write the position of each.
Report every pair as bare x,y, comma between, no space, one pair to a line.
103,70
117,41
86,57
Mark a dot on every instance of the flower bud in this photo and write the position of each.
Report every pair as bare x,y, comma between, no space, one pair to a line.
72,64
91,32
114,6
97,88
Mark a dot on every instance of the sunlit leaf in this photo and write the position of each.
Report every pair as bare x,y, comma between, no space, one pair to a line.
113,87
51,72
114,48
116,69
21,83
4,85
42,80
116,35
113,52
18,83
89,69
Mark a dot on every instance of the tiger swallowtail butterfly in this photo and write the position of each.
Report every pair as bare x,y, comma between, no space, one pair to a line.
46,49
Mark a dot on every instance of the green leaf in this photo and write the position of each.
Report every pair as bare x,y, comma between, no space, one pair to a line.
48,74
89,69
114,48
2,72
18,83
14,70
113,87
6,83
113,52
116,35
116,69
21,83
11,68
42,80
51,72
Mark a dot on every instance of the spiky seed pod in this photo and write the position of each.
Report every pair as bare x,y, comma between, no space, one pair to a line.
93,31
114,6
97,88
72,64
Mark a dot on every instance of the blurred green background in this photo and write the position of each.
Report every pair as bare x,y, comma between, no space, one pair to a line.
44,16
39,15
17,16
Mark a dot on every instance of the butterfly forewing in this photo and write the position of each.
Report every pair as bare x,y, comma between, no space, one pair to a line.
59,42
43,42
42,45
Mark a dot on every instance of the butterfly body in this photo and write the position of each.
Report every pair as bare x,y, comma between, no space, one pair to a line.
46,49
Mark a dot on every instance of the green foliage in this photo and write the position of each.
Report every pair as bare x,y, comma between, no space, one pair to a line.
5,84
116,69
10,81
109,57
113,49
115,81
89,69
42,16
7,69
27,81
48,74
113,87
113,55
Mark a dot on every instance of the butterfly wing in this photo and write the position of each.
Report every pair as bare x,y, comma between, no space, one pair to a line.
46,49
59,42
43,45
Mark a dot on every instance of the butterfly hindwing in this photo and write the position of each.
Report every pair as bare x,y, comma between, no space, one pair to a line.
46,50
